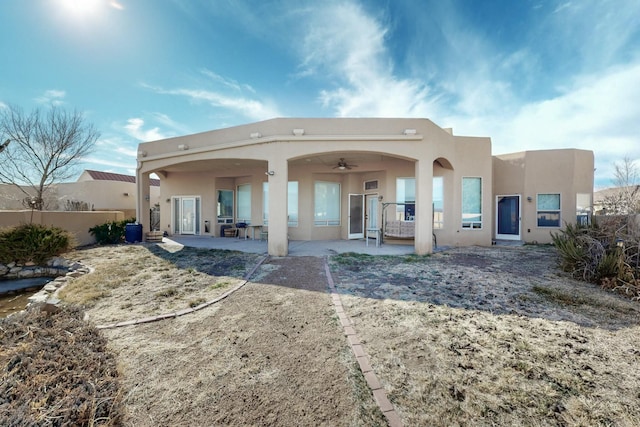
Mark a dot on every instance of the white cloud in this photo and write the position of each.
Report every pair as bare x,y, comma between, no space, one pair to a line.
167,121
52,96
134,127
229,83
250,108
109,163
346,44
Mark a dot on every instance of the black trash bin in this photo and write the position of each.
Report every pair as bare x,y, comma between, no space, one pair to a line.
133,233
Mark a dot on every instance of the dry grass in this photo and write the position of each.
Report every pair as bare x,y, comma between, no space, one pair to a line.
55,370
132,282
475,337
444,365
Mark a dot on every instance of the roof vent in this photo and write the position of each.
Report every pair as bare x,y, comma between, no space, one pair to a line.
298,132
255,135
409,132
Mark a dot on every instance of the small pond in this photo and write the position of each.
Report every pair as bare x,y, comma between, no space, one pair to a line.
14,294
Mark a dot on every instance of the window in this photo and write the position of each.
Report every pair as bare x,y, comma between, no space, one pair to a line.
548,210
225,206
406,199
438,202
292,203
326,203
471,203
583,209
244,203
370,185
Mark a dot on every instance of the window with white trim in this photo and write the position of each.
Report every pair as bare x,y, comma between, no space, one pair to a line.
471,203
548,209
225,206
326,207
244,203
292,203
438,202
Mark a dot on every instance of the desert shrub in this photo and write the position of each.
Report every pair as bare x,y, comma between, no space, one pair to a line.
110,232
33,243
607,254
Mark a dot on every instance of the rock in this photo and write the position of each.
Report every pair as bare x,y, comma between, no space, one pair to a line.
3,269
50,306
58,262
76,266
24,273
39,297
14,269
50,287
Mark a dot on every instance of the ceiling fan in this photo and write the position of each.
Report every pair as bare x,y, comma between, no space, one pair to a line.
342,165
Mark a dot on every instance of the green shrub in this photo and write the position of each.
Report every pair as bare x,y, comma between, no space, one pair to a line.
111,232
33,243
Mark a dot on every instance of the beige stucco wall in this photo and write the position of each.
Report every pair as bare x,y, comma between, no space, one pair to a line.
529,173
99,195
77,223
186,166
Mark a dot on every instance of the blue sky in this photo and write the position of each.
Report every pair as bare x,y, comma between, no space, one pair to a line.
531,74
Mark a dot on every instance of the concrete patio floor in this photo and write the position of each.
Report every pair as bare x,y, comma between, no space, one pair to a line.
296,247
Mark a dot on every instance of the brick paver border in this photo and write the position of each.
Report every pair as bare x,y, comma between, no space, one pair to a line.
379,393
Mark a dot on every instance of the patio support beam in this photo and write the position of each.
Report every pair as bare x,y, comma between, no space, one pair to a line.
143,189
424,207
278,173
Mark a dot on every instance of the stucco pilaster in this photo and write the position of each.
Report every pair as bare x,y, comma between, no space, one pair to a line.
278,173
143,185
424,207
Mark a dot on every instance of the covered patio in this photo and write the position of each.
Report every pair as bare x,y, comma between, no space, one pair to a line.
296,247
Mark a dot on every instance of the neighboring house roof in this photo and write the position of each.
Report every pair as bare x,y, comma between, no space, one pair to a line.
110,176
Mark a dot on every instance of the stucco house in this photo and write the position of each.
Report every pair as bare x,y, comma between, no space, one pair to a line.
355,178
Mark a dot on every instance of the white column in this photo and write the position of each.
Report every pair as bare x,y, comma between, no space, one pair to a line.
278,173
424,207
142,200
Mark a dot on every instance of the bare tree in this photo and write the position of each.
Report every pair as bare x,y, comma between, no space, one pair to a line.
42,149
625,200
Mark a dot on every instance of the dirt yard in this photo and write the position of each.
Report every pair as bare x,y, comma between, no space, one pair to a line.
477,336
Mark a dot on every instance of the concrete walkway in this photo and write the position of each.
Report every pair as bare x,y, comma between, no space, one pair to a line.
317,248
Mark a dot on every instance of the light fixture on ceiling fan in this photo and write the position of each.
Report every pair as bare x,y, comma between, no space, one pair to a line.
342,165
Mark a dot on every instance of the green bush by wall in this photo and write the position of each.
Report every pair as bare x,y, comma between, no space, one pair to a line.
33,243
111,232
